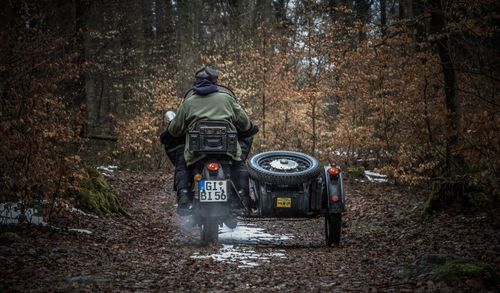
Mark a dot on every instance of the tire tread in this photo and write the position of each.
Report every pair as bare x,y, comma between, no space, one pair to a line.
258,173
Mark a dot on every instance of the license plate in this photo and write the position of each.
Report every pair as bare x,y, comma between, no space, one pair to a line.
213,190
283,202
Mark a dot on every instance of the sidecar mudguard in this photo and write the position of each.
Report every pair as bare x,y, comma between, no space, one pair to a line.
334,185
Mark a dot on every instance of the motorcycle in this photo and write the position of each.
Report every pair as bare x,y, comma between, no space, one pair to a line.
285,184
215,195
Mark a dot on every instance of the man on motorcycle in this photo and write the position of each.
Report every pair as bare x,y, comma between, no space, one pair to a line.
207,101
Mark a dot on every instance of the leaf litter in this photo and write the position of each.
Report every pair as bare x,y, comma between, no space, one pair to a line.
383,232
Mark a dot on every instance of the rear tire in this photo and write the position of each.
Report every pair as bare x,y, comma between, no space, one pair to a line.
209,231
333,228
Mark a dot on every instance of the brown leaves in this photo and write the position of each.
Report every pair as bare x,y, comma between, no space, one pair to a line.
382,234
138,137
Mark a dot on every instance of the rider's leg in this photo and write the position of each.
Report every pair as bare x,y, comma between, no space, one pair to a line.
240,177
240,172
182,181
246,146
172,145
172,153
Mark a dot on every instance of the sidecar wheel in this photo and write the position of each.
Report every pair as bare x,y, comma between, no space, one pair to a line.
333,229
283,167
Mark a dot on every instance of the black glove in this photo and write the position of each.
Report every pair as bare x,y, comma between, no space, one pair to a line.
169,141
250,132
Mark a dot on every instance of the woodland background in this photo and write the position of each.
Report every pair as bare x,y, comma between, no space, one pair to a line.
407,86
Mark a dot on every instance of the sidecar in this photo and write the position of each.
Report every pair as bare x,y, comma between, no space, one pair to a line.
290,184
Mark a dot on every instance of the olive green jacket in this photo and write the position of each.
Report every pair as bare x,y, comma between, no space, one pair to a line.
214,106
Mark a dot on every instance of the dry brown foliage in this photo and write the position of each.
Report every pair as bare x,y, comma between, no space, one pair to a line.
40,119
376,99
326,82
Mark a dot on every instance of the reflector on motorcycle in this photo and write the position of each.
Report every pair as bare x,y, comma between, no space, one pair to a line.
212,167
335,198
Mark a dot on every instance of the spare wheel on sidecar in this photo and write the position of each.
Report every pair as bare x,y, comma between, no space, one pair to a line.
283,167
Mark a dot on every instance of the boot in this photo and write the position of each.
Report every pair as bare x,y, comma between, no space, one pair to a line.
182,184
246,200
240,177
184,200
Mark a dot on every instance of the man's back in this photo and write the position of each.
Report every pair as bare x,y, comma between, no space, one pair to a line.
213,106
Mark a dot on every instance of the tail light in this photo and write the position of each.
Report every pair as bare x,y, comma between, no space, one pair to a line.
213,167
335,198
333,171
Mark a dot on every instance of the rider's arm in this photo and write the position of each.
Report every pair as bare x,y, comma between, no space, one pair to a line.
177,127
241,120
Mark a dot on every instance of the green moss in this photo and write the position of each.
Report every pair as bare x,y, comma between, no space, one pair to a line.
460,270
98,196
369,228
11,236
437,199
356,172
457,192
480,200
451,269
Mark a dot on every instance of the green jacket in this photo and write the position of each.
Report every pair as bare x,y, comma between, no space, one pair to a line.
214,106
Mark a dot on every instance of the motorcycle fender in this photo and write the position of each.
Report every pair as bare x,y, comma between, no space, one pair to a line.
214,209
334,186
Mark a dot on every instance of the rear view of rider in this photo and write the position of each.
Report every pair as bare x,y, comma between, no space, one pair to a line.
207,101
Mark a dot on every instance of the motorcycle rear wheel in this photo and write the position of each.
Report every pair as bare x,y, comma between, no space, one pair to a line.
209,231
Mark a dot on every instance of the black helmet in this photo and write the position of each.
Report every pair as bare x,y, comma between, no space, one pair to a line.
207,73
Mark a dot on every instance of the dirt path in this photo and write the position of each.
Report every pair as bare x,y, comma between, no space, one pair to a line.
383,232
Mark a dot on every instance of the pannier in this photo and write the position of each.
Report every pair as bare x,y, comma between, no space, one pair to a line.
213,137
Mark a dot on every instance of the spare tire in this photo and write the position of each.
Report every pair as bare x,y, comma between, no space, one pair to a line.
283,167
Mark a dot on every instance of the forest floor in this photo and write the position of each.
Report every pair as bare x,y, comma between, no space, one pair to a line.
383,233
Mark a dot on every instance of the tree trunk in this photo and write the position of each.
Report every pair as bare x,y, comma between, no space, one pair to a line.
454,161
383,16
363,14
405,9
187,43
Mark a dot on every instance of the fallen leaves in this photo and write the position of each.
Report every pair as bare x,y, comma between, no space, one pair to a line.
382,233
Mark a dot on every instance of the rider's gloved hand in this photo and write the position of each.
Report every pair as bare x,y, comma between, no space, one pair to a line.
170,141
250,132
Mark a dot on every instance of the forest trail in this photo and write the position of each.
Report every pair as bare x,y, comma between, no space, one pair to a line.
383,232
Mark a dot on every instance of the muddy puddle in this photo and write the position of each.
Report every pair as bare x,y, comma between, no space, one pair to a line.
238,246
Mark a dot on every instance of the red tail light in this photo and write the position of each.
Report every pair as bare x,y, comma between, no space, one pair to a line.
212,167
333,171
335,198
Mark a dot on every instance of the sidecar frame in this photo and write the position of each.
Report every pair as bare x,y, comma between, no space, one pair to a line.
293,185
310,199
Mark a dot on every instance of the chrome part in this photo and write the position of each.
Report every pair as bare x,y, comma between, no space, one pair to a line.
283,164
169,116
